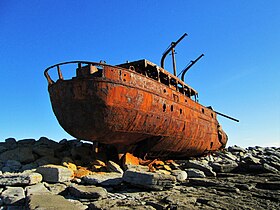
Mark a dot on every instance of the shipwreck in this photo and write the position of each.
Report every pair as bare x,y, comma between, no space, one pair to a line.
138,107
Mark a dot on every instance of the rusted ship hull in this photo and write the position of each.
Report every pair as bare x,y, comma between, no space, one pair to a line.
134,112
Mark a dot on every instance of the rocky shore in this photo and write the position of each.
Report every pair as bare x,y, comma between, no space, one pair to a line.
70,174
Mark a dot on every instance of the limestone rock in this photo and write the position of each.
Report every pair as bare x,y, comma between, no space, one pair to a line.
13,196
45,160
36,189
14,165
10,143
43,150
149,180
113,167
223,167
21,154
208,171
57,188
2,149
55,173
104,179
180,175
88,192
249,159
20,179
195,173
49,201
26,142
236,149
29,166
136,167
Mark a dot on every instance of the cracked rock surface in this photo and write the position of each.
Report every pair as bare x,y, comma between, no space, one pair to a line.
45,174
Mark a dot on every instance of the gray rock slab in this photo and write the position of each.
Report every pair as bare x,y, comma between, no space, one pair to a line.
10,143
21,154
114,167
224,166
87,192
104,179
136,167
43,150
236,149
208,171
20,179
2,149
29,166
13,196
14,165
26,142
55,173
149,180
78,204
36,189
57,188
49,201
195,173
249,159
45,160
202,182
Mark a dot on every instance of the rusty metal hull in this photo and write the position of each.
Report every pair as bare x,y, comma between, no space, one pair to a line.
134,112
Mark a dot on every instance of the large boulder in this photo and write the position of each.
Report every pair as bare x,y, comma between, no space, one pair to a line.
13,196
20,179
149,180
104,179
55,173
87,192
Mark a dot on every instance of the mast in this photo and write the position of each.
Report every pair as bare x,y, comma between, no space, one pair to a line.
171,48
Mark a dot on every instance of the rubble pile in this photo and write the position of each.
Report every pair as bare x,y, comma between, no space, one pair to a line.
76,175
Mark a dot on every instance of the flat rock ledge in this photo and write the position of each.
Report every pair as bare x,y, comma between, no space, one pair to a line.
45,174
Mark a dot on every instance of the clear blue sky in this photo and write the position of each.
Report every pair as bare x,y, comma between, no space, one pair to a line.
238,76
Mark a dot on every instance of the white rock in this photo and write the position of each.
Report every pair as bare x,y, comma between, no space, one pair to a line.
13,196
20,179
104,179
55,173
89,192
36,189
149,180
180,175
195,173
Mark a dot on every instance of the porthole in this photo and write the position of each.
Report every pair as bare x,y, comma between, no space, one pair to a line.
164,90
